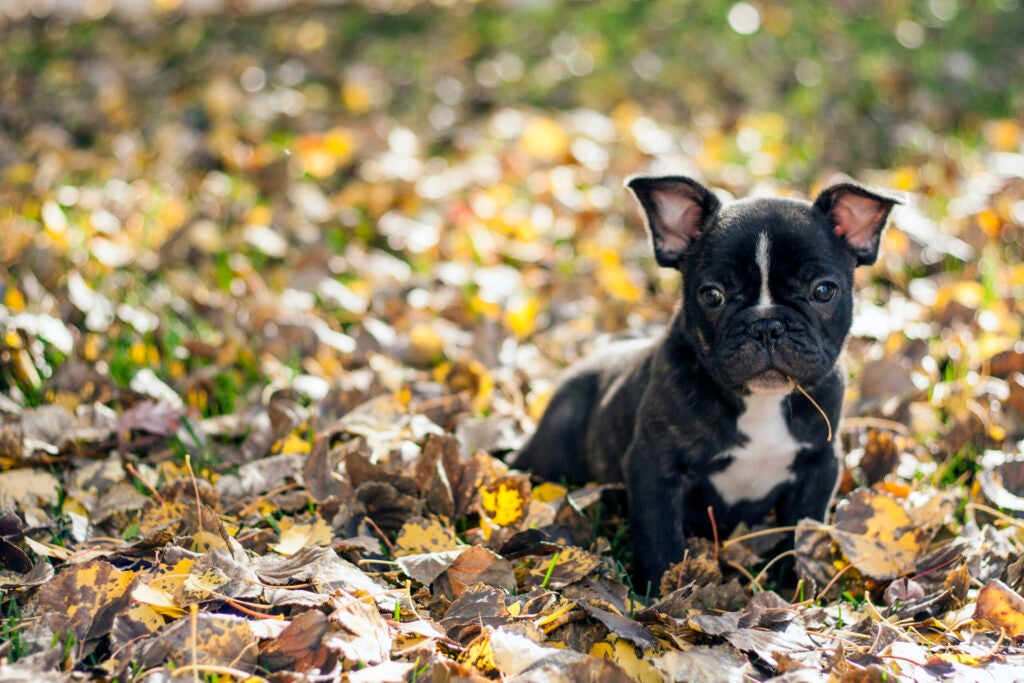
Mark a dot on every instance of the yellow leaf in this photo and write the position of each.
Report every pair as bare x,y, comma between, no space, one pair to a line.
878,535
426,347
637,665
15,300
356,97
295,537
203,540
1001,607
480,655
990,222
955,658
198,586
420,536
521,315
20,174
552,617
967,293
548,492
1003,135
614,278
904,179
504,504
544,139
472,376
158,600
294,443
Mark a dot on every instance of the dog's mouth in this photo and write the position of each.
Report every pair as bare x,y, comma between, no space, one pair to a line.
770,382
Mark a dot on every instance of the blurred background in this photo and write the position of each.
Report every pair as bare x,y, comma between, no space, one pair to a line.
237,192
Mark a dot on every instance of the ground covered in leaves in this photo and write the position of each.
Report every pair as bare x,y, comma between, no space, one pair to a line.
272,314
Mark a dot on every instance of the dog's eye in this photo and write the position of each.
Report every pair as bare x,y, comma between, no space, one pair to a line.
825,291
712,297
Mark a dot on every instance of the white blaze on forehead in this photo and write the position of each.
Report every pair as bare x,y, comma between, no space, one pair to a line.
761,256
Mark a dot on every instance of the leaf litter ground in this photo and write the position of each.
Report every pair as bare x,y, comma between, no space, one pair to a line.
255,409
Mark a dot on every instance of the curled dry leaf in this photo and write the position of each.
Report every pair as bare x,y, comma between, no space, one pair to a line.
1001,608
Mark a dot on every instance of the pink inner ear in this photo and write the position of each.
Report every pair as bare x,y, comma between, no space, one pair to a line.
680,220
857,219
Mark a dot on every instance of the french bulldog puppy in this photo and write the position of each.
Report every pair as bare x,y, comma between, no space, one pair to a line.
734,407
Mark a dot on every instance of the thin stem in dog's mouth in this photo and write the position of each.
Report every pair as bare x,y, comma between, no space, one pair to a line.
828,423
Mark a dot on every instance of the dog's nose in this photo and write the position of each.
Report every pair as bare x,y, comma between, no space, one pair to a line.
767,330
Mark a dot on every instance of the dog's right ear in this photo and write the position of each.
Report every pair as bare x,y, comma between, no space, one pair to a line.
676,209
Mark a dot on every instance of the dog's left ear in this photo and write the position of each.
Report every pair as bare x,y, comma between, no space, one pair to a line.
858,216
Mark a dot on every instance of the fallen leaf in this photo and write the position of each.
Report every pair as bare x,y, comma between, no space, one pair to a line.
420,536
294,536
90,594
877,535
1000,607
216,640
717,664
475,565
300,647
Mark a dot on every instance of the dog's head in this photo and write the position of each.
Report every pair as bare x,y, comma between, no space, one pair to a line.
767,282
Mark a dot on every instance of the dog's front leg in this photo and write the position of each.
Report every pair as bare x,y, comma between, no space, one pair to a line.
656,494
812,491
808,497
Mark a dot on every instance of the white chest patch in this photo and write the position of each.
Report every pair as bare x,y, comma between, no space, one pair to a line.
764,461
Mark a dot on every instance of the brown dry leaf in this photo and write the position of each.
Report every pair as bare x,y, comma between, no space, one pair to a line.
427,567
155,417
37,575
1000,607
1003,485
813,546
27,489
476,565
362,635
514,653
90,594
432,477
570,565
11,439
385,672
718,664
136,622
569,667
699,565
478,606
877,535
300,647
204,640
623,627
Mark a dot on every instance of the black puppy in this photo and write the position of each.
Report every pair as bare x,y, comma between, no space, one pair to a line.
710,414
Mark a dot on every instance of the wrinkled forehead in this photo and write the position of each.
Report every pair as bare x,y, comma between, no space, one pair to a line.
749,232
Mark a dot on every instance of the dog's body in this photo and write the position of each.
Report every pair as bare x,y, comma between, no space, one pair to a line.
709,415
